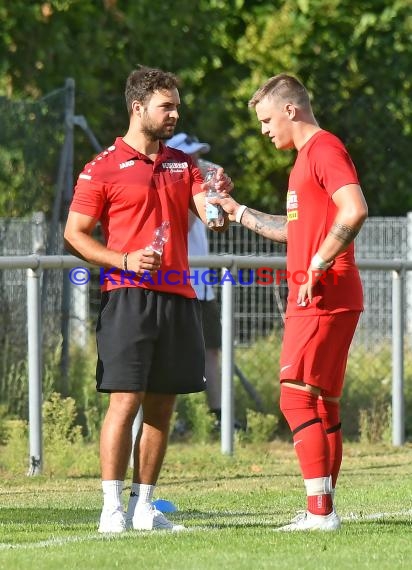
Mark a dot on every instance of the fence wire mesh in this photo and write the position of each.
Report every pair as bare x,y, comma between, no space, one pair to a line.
31,139
258,309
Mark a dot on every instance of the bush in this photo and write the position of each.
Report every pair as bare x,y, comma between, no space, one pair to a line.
90,404
192,419
14,456
260,427
4,431
367,395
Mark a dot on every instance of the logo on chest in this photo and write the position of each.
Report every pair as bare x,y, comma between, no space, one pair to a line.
175,166
292,205
126,164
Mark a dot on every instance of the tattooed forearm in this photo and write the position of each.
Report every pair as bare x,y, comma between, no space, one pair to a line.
266,225
343,233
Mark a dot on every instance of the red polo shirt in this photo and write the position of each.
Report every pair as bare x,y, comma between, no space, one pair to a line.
131,196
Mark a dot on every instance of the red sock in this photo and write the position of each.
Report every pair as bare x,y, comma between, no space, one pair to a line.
330,414
309,437
310,441
320,504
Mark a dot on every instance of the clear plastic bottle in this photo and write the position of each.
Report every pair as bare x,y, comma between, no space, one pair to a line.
214,213
160,237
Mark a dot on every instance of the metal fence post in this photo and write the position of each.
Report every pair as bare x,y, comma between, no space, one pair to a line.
408,281
35,375
67,197
227,367
398,405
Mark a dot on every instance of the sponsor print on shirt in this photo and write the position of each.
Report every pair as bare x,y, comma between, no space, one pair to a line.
292,205
175,166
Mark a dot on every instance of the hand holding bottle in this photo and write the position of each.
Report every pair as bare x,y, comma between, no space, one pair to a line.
160,237
214,213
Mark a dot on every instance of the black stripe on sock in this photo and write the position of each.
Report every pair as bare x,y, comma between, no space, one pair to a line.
334,428
306,424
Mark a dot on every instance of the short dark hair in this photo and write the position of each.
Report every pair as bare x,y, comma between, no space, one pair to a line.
284,87
144,81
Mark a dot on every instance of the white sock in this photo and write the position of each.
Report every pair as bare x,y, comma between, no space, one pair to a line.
134,495
112,494
318,486
145,494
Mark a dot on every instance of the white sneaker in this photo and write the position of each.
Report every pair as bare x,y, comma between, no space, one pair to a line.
112,520
309,521
147,517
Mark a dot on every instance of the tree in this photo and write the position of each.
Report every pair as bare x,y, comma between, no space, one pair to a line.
353,56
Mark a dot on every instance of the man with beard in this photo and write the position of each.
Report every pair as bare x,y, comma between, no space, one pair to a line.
149,334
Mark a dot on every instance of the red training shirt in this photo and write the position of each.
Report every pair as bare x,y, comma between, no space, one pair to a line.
131,196
322,166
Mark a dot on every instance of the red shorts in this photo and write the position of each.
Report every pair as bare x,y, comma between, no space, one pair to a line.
315,350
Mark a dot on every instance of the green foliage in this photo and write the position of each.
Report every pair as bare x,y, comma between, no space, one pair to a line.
4,431
31,137
14,379
64,449
353,59
367,394
90,404
14,386
259,364
59,416
65,452
353,56
14,454
375,426
260,428
193,416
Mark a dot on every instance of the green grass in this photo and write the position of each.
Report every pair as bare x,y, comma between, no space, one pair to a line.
229,504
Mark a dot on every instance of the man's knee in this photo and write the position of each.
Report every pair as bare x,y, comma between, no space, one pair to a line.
298,406
158,408
124,403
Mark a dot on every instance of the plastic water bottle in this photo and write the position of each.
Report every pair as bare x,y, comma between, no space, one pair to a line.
160,237
214,212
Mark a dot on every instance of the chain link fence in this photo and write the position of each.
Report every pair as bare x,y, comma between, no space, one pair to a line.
258,312
36,150
259,309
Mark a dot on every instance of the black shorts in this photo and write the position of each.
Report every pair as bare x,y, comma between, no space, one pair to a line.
212,329
149,342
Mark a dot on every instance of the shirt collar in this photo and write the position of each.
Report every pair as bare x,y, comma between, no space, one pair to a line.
164,150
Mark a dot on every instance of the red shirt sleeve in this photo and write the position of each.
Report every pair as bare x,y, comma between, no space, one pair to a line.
332,164
89,196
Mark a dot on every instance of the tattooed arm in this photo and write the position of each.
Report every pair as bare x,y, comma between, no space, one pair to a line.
352,212
266,225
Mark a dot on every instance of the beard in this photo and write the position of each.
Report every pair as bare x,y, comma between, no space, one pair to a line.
155,132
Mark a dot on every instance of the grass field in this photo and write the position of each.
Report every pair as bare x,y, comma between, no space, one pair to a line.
230,505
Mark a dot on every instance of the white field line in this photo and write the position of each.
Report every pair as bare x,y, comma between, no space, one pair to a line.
352,517
85,538
57,541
